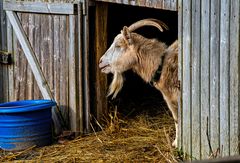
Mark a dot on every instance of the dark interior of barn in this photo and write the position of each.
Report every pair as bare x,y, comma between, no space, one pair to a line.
136,96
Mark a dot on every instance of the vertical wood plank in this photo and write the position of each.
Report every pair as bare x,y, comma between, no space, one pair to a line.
160,3
37,49
63,67
180,65
30,77
214,75
1,45
23,60
17,51
205,46
80,67
196,100
234,76
51,53
101,47
57,65
86,74
224,77
73,101
186,86
154,3
10,67
44,46
174,5
166,4
4,68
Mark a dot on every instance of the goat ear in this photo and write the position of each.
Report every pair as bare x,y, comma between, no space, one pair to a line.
127,35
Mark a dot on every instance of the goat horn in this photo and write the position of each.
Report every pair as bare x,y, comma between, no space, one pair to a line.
148,22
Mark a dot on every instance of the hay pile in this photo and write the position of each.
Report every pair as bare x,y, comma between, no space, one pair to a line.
142,139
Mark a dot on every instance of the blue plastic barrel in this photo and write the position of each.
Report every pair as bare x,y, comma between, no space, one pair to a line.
25,123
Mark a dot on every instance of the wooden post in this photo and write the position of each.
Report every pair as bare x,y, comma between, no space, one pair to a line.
101,47
86,75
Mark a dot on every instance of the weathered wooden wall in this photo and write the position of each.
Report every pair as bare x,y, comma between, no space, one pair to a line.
209,69
3,47
60,43
49,38
160,4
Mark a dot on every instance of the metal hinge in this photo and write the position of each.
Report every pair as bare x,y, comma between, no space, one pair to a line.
5,57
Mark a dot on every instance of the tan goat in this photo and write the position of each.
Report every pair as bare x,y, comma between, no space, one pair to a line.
152,60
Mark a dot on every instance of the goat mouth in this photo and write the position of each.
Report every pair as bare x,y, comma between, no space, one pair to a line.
104,68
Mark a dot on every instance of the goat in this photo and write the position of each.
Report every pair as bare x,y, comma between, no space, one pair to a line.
151,59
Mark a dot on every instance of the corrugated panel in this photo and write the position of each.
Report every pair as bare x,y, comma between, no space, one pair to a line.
209,63
160,4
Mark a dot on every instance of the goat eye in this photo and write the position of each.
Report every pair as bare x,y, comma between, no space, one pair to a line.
117,46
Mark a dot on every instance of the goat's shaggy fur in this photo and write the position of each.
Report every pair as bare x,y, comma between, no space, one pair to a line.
144,56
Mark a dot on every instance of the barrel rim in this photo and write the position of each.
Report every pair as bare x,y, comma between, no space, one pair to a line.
26,105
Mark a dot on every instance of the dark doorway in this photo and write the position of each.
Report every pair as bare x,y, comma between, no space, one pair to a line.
138,97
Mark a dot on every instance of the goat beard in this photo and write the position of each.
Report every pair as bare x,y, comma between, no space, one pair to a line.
116,85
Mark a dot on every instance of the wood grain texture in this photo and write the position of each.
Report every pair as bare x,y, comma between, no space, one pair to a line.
10,67
40,7
205,93
80,67
37,49
63,67
86,73
224,77
180,71
73,101
160,4
4,86
186,77
214,75
101,47
30,77
196,78
33,62
234,76
216,25
1,48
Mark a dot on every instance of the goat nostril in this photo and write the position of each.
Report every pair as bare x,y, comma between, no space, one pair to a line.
100,61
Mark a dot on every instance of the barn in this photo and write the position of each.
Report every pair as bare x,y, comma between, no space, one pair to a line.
66,38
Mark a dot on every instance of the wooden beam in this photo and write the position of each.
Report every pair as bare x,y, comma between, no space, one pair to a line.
101,47
74,121
33,62
86,65
80,68
40,7
10,67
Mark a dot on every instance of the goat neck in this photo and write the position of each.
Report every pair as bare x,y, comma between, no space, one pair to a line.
150,54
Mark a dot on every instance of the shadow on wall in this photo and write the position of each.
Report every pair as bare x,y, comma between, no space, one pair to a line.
137,96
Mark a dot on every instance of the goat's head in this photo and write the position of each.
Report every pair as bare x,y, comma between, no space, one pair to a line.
121,56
